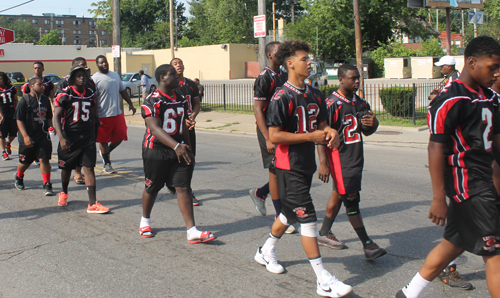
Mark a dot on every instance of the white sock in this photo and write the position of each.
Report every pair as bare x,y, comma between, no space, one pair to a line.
270,243
416,286
318,267
193,233
145,222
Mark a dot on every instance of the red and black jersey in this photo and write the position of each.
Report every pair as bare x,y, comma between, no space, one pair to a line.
77,110
346,161
63,83
7,101
266,84
47,86
189,90
465,120
171,110
296,111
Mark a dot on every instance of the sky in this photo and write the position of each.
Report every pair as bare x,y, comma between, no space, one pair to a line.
38,7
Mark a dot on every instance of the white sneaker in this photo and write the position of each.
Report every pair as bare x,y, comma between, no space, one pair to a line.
108,169
332,287
290,230
269,260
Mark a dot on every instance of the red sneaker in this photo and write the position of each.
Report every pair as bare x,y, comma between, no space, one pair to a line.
63,199
97,208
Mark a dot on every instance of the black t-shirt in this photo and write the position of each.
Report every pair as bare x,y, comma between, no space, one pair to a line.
47,85
465,120
296,111
170,110
266,84
344,116
34,113
77,111
7,101
189,90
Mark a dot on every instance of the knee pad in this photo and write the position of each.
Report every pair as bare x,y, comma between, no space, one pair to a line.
351,203
283,219
308,229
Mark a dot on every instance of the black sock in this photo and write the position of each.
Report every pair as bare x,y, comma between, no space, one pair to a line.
263,191
92,195
105,156
277,206
327,225
65,187
363,236
111,148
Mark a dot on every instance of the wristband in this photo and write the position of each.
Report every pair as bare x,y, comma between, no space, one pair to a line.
175,148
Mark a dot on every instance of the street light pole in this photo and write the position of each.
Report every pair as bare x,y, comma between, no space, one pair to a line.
117,61
261,10
171,4
359,47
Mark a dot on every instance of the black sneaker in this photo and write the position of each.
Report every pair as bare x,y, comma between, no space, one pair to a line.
47,189
19,182
451,277
400,294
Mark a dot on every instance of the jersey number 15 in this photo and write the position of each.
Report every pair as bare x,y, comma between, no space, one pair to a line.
84,113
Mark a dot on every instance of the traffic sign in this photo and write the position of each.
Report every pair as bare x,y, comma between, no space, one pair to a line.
6,35
259,26
475,17
116,51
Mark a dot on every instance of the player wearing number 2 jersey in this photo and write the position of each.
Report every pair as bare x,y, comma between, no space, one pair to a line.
8,126
74,121
166,153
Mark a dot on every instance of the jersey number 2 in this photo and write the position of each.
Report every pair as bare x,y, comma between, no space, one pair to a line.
486,117
350,129
169,124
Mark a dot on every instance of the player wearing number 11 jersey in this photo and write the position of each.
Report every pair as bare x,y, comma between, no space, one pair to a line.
8,126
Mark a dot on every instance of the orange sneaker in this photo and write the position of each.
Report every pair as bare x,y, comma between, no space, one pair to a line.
97,208
63,199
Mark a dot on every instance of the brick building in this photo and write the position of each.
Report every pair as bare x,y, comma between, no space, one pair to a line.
72,29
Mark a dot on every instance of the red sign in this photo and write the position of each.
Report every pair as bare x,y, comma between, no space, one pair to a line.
259,26
6,35
2,53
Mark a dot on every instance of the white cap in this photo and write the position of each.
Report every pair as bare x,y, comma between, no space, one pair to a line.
446,60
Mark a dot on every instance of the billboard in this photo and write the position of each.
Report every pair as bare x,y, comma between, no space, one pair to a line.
461,3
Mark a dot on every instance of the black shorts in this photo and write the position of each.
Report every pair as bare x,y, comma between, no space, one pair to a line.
161,167
41,149
192,140
82,153
296,201
474,224
267,158
8,128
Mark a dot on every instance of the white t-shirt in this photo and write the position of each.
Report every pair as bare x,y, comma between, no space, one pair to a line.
108,87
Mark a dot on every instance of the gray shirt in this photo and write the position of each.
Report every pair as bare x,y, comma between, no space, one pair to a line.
145,83
108,87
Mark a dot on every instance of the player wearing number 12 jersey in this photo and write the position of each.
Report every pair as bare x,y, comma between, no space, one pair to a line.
166,153
8,126
74,121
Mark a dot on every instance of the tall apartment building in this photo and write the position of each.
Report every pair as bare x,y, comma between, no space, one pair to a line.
72,29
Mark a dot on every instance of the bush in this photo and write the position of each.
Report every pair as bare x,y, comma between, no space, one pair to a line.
398,101
328,89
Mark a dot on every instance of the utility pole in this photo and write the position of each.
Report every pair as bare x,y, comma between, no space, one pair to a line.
293,11
261,10
475,23
437,20
448,32
359,47
117,61
171,4
274,21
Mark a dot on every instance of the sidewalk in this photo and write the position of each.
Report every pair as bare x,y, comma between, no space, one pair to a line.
245,124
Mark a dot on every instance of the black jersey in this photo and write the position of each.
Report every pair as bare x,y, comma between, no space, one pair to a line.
266,84
47,86
170,110
465,120
189,90
34,113
296,111
63,83
347,160
7,101
77,110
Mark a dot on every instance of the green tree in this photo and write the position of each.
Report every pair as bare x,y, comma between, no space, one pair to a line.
24,32
51,38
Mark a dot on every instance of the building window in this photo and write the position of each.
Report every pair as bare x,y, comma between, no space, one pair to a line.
92,23
92,41
34,21
47,22
93,32
77,41
59,22
47,31
103,32
24,20
60,31
77,31
104,42
77,23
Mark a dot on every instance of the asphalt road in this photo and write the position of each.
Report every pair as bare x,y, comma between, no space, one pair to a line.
51,251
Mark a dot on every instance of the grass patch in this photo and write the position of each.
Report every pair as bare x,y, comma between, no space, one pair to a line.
230,108
209,120
402,122
222,126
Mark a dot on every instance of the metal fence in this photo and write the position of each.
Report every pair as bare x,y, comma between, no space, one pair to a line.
239,97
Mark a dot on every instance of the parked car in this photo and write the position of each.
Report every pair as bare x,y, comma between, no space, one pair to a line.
16,77
54,78
131,81
319,76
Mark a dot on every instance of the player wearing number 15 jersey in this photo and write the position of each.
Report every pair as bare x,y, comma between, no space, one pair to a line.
74,121
8,126
166,153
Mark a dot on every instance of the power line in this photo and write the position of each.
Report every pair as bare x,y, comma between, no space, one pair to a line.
17,5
